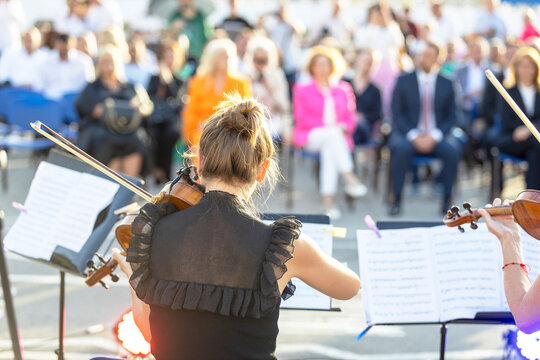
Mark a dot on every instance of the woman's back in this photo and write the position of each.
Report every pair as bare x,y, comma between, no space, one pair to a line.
211,279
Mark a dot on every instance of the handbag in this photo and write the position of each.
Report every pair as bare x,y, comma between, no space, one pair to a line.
121,117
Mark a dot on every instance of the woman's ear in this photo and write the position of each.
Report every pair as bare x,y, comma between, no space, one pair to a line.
262,171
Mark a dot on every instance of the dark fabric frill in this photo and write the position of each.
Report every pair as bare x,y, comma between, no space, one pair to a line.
222,300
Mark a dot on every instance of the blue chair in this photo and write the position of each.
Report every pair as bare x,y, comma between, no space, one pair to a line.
7,95
69,112
24,109
499,160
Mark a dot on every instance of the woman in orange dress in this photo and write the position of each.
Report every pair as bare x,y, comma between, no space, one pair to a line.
216,76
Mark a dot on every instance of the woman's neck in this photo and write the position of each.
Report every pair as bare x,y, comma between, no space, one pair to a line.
322,82
217,185
526,84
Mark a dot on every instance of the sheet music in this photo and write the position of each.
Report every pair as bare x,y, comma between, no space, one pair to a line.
397,277
463,272
61,208
305,297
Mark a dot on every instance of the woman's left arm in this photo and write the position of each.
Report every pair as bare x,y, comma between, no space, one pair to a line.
523,298
141,310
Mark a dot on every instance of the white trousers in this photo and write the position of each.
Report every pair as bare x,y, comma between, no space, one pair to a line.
336,159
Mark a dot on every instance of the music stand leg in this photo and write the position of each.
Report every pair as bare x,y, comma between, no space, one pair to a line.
62,317
8,300
443,341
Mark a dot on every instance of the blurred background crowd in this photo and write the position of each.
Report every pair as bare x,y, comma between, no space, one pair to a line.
135,98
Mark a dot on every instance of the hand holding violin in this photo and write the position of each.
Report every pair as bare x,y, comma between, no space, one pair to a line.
120,259
504,227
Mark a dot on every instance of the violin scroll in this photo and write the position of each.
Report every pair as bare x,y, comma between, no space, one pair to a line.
96,274
456,218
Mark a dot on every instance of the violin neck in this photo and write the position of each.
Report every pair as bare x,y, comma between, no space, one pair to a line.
499,210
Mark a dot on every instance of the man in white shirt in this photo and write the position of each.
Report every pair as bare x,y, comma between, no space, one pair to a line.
442,27
470,81
74,22
423,109
19,66
337,25
488,23
103,14
12,21
66,70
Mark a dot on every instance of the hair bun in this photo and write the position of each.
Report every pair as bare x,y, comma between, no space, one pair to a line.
246,116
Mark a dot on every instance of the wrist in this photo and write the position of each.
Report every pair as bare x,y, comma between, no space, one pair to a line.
511,249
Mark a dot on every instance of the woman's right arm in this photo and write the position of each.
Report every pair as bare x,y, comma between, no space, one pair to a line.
320,271
523,298
88,104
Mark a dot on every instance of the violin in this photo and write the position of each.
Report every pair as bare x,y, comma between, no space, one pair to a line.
182,192
525,210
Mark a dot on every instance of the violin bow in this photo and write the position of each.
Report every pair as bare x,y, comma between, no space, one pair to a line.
68,146
512,104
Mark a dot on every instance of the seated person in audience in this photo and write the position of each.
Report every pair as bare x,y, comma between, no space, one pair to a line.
325,120
87,44
165,91
224,271
470,80
20,67
114,140
74,22
138,71
522,295
66,70
216,76
368,97
523,84
269,83
423,108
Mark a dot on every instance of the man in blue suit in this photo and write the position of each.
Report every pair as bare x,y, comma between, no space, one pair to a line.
424,112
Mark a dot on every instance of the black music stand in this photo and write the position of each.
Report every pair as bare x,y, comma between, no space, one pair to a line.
68,261
487,318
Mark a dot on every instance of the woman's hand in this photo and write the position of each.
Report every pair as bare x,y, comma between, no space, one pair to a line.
120,258
98,111
521,133
504,227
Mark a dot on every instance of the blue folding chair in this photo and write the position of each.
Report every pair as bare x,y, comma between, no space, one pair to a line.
70,116
7,95
24,109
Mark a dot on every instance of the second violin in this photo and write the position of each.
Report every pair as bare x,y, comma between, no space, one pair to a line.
525,210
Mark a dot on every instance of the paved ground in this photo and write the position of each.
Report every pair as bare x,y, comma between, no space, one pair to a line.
303,334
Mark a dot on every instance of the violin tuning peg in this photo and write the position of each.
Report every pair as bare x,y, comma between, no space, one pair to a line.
101,258
467,206
104,284
114,278
90,264
449,214
461,230
474,225
455,210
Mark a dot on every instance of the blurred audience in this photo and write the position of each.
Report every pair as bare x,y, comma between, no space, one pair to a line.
423,108
234,24
368,96
112,111
87,44
217,75
103,14
189,20
20,66
12,22
138,71
269,83
74,23
523,84
442,27
529,29
325,120
336,25
489,24
65,71
164,90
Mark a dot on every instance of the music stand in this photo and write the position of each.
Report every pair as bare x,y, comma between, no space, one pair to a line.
68,261
487,318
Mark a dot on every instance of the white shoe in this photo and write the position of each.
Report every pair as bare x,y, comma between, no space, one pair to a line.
333,213
357,190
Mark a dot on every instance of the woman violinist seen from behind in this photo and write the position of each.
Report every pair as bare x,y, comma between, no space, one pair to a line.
207,281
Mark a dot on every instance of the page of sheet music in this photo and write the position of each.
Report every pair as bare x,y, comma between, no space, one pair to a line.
466,268
397,277
466,271
61,208
305,297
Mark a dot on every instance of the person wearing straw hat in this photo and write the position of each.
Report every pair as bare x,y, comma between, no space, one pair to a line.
325,119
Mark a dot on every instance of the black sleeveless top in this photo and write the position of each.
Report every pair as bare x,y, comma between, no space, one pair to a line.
209,274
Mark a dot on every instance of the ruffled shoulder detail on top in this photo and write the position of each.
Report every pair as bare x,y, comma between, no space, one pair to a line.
223,300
